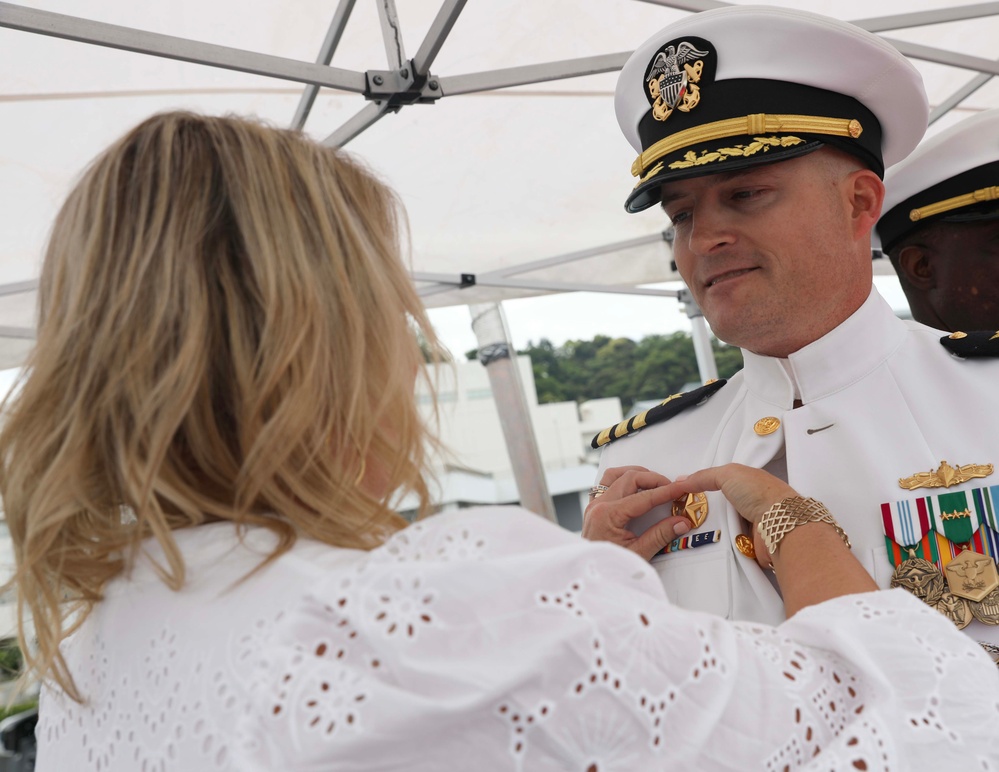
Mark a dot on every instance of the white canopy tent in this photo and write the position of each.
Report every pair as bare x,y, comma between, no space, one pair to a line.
493,119
504,150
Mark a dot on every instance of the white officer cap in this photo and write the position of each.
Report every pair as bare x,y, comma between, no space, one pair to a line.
953,176
725,89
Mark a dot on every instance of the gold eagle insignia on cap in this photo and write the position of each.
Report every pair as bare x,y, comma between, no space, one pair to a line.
672,79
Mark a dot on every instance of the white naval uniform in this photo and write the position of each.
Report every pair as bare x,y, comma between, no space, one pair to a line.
884,400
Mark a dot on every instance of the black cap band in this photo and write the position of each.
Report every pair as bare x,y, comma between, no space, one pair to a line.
924,207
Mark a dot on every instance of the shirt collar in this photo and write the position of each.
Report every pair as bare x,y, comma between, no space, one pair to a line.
837,359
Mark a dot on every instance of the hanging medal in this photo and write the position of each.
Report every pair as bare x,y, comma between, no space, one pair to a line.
920,577
986,610
943,548
956,609
909,538
970,574
986,502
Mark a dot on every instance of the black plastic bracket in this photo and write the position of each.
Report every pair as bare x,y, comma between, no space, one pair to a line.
401,87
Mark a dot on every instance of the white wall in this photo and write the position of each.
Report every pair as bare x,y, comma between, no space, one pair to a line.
470,423
478,470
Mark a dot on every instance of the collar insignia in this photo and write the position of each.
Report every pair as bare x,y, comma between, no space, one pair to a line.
945,476
673,75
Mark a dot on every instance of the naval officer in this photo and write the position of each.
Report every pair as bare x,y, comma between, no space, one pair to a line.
764,134
940,226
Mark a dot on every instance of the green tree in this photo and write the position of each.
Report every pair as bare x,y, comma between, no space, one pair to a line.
653,368
11,659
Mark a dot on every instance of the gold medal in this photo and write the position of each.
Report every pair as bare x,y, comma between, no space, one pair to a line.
972,575
955,608
986,610
920,577
694,507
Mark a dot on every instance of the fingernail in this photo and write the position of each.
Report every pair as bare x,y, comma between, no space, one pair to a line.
681,528
681,477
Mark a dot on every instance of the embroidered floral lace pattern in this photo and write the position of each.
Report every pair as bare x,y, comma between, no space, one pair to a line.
490,640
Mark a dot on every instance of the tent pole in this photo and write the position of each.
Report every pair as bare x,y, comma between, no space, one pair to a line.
391,34
330,43
500,360
959,96
181,49
706,366
436,35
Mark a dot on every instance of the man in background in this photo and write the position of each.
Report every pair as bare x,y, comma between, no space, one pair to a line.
940,226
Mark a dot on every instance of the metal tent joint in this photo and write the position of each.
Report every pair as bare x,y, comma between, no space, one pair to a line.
404,86
689,304
494,352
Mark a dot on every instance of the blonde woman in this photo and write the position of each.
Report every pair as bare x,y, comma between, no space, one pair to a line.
198,475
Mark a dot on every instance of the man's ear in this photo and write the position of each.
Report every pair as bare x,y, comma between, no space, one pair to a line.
916,264
866,194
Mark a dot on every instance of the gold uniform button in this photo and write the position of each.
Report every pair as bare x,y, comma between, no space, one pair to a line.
767,425
745,545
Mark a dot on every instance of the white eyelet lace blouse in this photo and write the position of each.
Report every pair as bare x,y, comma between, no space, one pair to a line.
490,640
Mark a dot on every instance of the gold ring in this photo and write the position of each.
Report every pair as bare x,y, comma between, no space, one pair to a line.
597,491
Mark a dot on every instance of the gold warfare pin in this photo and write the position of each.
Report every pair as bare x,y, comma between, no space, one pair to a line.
945,476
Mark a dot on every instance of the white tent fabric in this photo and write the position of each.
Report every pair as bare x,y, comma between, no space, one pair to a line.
492,179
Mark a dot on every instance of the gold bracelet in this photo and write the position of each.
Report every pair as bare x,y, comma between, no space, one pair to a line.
784,516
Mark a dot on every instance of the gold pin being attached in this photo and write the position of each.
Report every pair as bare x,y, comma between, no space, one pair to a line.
745,545
767,425
945,476
694,507
957,335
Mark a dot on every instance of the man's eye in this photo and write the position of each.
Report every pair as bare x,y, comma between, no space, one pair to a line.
746,195
678,217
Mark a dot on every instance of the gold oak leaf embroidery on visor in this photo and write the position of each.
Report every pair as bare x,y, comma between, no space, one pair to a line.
723,153
650,173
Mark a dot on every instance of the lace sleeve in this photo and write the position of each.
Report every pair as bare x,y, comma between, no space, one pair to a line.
492,640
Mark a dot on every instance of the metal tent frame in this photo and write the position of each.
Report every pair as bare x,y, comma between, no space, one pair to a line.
411,80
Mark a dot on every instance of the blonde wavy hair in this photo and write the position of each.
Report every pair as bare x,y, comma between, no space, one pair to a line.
226,332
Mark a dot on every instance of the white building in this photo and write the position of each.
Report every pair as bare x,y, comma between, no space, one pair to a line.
478,468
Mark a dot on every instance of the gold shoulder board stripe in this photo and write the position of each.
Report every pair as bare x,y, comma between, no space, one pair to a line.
673,404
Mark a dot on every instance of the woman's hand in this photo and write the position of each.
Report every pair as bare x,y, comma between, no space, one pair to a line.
819,566
631,492
751,491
